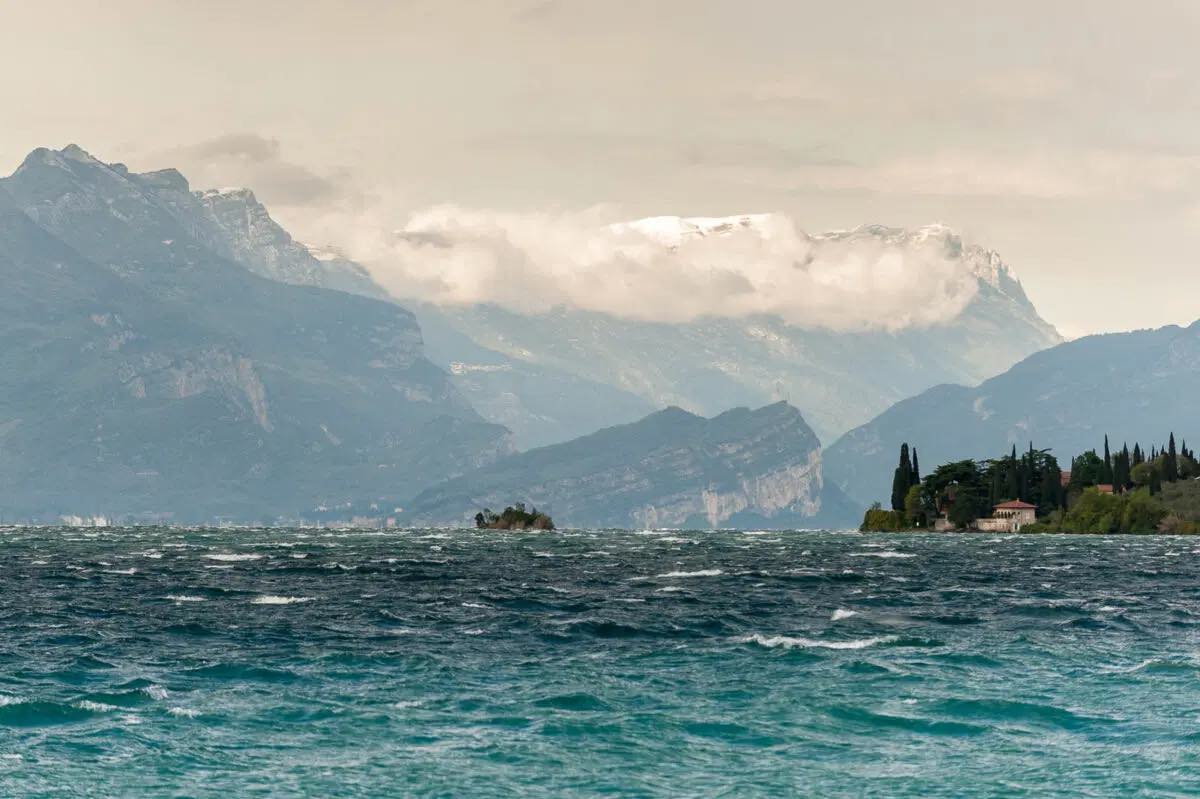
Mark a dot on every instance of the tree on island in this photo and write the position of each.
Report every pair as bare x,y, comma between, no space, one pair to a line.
514,517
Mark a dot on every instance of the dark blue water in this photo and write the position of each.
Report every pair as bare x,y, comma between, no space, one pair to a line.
312,663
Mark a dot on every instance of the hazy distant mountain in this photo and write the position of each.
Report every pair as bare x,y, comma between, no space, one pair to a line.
143,371
838,379
540,403
671,469
562,373
1131,386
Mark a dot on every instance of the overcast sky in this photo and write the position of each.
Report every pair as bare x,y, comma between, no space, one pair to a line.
1066,135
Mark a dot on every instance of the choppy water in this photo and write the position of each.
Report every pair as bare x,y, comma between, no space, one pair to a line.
305,663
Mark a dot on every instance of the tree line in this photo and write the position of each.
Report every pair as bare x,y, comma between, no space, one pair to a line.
966,490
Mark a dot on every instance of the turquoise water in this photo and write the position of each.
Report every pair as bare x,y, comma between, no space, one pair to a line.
314,663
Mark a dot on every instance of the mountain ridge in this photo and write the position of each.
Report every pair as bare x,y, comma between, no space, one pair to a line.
670,469
1136,385
145,375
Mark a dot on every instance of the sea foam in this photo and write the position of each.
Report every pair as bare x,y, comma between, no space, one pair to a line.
788,642
271,599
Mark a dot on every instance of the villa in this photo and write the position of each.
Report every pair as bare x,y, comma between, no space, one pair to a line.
1009,517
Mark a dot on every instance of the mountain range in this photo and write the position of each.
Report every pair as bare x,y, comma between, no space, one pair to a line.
671,469
838,379
174,354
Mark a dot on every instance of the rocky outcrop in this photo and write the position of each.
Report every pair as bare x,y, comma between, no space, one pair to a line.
671,469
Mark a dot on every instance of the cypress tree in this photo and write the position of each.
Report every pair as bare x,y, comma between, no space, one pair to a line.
1050,488
1121,470
1171,466
1107,476
901,479
1155,481
916,468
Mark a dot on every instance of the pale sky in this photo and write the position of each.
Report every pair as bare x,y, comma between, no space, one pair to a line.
1065,135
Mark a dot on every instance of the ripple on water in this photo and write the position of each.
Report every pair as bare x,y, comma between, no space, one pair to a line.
676,664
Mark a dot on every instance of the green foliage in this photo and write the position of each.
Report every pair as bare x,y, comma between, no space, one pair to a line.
1094,512
916,512
1182,499
967,490
1049,524
878,520
514,517
1171,462
902,479
1142,513
1087,470
960,487
965,509
1034,477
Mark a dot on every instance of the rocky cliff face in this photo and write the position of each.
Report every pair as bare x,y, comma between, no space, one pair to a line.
144,372
671,469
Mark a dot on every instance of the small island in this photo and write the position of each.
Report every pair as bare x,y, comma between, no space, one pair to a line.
514,517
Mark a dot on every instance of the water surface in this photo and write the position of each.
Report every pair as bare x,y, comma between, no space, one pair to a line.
157,662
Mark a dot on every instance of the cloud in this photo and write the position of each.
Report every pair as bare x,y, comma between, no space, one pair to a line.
254,161
666,269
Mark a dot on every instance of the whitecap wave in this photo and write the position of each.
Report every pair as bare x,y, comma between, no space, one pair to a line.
788,642
185,598
95,707
842,613
682,575
888,554
184,712
233,557
271,599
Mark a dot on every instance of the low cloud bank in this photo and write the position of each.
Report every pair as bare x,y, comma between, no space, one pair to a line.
667,269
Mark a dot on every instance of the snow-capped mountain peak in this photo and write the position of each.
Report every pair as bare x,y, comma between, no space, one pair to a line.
674,230
984,264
